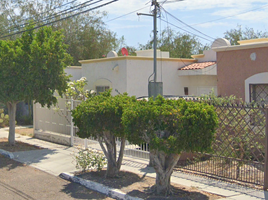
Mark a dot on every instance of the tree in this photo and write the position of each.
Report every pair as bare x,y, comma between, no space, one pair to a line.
179,45
86,34
100,117
237,34
32,68
88,37
170,127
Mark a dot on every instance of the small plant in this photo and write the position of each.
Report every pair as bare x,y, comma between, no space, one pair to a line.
4,119
87,159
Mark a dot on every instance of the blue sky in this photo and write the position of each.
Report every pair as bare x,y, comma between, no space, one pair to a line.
197,13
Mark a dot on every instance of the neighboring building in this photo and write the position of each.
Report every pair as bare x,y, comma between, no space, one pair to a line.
201,77
74,71
242,70
131,74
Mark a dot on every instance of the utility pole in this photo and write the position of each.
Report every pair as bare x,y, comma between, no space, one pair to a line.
154,88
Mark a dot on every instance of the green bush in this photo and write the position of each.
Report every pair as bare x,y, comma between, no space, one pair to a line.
4,119
170,127
87,159
100,117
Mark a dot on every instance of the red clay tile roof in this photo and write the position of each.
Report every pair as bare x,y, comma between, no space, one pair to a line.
197,65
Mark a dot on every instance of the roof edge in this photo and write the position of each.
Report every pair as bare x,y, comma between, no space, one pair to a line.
198,56
136,58
240,47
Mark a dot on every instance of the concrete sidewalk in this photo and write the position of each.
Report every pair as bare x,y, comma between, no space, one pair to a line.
56,159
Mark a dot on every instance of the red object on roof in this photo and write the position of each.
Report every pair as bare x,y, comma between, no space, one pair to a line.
197,66
124,51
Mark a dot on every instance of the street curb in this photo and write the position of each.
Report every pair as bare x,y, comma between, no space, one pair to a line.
111,192
6,154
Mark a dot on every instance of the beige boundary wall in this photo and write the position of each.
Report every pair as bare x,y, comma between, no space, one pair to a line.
53,124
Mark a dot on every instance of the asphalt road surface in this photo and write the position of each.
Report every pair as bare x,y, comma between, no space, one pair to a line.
20,182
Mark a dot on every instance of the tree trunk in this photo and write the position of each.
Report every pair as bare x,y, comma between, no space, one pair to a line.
12,122
163,165
162,183
150,160
112,170
114,163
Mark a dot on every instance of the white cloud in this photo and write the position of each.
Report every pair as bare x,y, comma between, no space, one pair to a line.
128,26
212,4
212,24
257,16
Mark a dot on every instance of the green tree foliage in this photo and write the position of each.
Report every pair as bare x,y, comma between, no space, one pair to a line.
86,35
237,34
32,68
170,127
4,119
180,45
100,117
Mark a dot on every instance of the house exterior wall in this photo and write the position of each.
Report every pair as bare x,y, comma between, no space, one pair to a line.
102,74
138,72
200,85
131,75
75,72
235,66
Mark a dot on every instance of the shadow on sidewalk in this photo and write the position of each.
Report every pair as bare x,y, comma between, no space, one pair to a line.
33,156
77,191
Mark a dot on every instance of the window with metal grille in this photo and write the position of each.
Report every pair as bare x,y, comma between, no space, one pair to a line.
258,93
100,89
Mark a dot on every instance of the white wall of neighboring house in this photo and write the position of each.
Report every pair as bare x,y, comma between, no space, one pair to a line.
106,72
74,71
139,70
200,85
130,74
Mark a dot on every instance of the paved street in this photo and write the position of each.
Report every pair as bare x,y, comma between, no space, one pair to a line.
20,182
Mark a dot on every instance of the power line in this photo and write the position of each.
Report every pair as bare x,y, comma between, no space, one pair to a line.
60,19
126,14
185,30
187,24
29,18
80,6
231,15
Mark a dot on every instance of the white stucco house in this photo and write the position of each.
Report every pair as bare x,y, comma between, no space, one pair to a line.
180,77
131,74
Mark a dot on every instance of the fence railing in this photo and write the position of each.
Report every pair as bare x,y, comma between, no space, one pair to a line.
239,151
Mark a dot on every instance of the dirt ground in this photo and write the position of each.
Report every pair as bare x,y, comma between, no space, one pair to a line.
138,186
19,146
25,131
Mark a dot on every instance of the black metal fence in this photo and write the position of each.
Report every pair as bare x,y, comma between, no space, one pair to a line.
238,152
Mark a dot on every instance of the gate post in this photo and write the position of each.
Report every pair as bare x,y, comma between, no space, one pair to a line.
265,186
72,123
